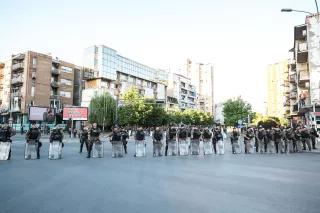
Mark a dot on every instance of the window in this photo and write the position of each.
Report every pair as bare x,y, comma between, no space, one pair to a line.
66,69
65,94
34,63
66,81
32,91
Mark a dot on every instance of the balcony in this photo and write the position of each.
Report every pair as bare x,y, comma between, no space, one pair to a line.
55,71
304,76
15,109
33,75
54,84
302,53
293,95
16,94
17,66
293,88
54,96
293,78
287,90
17,80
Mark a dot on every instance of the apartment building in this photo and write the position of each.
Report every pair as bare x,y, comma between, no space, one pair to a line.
181,94
37,79
304,73
278,89
202,77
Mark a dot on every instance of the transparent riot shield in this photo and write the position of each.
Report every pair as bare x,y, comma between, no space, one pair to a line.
220,146
261,146
299,145
271,148
250,146
30,152
55,150
140,148
4,150
183,147
207,147
117,149
236,147
97,149
157,148
195,147
172,148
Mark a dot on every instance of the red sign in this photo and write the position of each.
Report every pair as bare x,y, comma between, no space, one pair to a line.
75,113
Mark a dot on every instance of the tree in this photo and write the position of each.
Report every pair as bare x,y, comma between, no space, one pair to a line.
269,121
234,110
155,114
102,110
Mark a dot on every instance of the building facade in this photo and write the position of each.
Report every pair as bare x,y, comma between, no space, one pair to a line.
218,113
118,73
181,93
304,73
277,83
37,79
202,77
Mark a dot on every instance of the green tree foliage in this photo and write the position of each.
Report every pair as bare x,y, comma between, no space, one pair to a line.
236,109
269,121
102,110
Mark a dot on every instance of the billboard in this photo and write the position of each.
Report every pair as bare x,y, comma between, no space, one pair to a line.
37,113
75,113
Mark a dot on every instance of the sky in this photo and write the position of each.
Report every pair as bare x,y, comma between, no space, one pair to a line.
239,37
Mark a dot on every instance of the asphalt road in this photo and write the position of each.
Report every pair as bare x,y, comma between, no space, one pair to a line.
217,183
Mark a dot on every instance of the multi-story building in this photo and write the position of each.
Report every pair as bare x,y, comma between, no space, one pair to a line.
304,73
5,82
38,79
181,93
278,87
117,73
202,77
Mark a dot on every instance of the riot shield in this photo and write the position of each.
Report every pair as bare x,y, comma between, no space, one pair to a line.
117,149
207,147
172,148
30,152
236,147
55,150
250,146
157,148
220,146
4,150
183,147
195,147
140,148
97,149
261,146
271,148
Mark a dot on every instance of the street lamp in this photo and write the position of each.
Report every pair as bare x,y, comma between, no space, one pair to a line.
292,10
300,11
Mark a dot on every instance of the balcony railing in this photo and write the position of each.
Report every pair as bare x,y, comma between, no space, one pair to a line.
17,66
293,78
304,75
16,94
54,96
54,84
17,80
55,71
293,95
15,109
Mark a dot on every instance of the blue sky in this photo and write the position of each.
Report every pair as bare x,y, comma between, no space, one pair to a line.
239,37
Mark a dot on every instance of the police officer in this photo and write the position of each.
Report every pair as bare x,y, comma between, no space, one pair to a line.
94,137
217,135
57,135
305,137
171,136
261,137
34,134
124,138
6,132
157,140
314,135
248,136
84,139
277,139
234,137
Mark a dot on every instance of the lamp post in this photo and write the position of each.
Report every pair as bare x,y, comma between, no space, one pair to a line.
301,11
